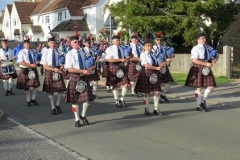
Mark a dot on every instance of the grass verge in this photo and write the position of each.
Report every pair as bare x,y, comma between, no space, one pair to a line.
180,78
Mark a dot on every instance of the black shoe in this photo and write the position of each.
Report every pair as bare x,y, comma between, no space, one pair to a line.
139,94
34,102
147,113
123,103
84,119
160,100
54,112
133,95
109,90
6,92
10,91
164,98
118,105
157,112
29,104
58,109
203,104
77,124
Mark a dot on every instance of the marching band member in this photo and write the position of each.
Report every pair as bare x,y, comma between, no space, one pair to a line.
162,56
28,76
53,81
197,77
78,89
6,55
149,79
134,49
94,77
117,75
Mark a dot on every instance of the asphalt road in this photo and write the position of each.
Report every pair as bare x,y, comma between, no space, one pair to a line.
127,134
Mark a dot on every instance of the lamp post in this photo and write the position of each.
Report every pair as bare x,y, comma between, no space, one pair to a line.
110,18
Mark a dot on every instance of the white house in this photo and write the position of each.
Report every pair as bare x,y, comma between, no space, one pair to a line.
6,21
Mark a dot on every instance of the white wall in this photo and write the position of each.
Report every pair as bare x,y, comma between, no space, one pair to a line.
6,19
15,22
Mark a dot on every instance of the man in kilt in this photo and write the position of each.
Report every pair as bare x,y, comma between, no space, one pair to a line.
78,75
149,79
160,53
94,78
6,55
201,59
116,58
134,51
53,81
28,76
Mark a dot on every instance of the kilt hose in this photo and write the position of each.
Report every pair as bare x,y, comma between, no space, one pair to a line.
75,97
94,77
165,78
105,66
7,76
144,86
132,72
112,79
51,86
23,82
195,77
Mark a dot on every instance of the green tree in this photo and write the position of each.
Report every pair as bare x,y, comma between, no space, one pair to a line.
179,19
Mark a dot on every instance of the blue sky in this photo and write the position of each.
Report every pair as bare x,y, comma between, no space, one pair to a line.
4,2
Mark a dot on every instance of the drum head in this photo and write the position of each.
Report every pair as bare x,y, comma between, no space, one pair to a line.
56,76
205,71
153,78
120,73
81,86
31,75
164,69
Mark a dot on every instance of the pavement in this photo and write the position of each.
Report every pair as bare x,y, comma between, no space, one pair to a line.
126,133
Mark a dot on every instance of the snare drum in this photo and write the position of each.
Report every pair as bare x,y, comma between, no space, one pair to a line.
7,68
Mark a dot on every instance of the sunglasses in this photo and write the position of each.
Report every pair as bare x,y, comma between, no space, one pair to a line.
158,39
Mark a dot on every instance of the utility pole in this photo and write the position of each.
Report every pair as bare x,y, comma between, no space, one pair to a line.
126,37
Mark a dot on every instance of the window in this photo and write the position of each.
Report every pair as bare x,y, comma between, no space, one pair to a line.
14,22
47,19
42,20
6,23
65,15
59,16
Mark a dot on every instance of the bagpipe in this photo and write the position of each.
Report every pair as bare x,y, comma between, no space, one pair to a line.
50,32
36,55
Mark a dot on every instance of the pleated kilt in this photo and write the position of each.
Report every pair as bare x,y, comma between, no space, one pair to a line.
167,77
144,86
195,77
105,71
72,96
51,86
94,77
132,72
7,76
112,79
23,82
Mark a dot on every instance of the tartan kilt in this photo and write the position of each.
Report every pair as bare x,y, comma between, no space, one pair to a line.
165,78
195,77
132,72
72,96
94,77
23,82
7,76
144,86
66,74
51,86
112,79
105,67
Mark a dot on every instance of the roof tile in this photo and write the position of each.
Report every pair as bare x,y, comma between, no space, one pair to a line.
24,10
69,25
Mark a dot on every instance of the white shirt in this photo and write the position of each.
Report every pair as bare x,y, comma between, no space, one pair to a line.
23,57
134,50
198,52
47,57
146,58
9,53
72,60
112,52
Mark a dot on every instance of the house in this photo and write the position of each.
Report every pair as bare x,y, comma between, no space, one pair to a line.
1,23
20,19
60,18
6,21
